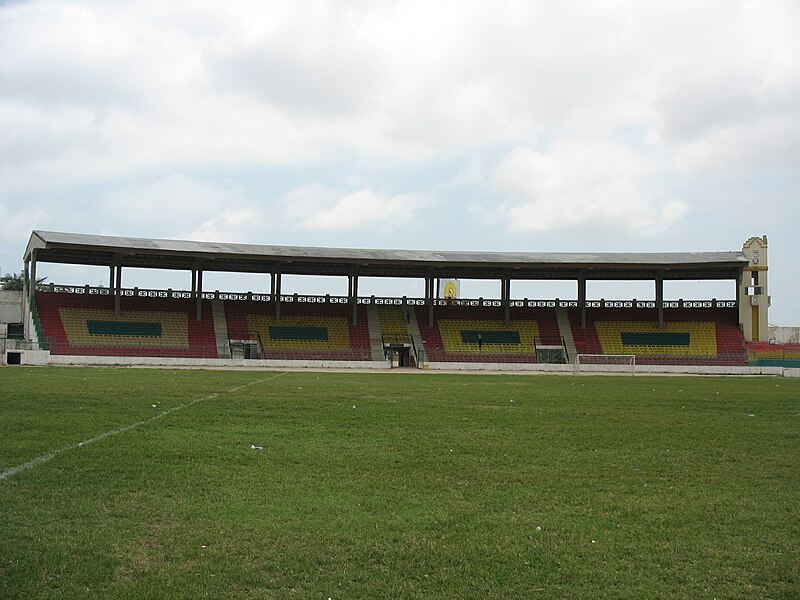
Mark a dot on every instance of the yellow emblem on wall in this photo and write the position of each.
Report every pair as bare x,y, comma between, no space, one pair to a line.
450,289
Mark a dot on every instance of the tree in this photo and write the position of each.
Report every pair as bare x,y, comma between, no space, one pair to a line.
13,282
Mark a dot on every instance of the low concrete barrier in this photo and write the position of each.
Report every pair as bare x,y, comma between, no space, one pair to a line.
155,361
592,369
15,356
41,357
517,367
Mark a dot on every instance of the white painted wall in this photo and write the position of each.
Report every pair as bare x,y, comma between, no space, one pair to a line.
10,307
784,335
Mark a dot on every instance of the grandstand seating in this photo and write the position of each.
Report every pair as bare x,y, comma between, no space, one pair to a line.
393,324
83,324
454,336
689,336
764,354
306,331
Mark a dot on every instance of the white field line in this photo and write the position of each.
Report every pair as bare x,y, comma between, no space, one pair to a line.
53,453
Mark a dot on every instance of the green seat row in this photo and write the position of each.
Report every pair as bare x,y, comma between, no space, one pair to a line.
649,338
124,328
470,336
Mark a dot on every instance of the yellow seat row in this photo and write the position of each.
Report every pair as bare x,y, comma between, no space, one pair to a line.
174,328
392,322
702,337
336,327
451,333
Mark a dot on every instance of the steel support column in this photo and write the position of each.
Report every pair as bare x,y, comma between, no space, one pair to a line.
277,295
660,300
117,290
353,294
582,297
199,295
505,299
429,298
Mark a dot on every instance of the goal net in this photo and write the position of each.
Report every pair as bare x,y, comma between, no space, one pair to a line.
605,363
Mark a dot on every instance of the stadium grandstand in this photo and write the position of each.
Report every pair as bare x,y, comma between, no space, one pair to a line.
69,324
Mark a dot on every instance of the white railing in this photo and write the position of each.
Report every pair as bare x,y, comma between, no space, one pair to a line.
380,300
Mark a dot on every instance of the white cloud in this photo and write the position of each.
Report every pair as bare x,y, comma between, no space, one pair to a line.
17,225
329,73
184,207
591,187
604,101
230,225
729,101
317,207
768,147
172,198
122,88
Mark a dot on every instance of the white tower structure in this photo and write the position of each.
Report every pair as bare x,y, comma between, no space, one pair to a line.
752,294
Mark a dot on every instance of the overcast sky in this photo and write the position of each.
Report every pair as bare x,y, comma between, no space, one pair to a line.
520,126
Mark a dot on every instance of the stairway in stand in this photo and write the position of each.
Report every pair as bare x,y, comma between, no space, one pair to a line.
413,330
566,332
375,343
221,329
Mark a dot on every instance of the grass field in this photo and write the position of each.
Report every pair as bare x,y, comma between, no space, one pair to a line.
396,485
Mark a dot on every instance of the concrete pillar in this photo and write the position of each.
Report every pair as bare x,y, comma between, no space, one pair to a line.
31,299
26,286
32,281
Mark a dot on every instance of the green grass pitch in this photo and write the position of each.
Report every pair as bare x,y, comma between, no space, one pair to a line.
384,485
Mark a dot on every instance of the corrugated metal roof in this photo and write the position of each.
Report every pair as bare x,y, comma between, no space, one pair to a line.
76,248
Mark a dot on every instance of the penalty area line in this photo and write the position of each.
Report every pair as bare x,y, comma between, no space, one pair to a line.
53,453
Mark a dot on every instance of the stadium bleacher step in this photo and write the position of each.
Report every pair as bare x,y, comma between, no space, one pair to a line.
220,328
375,343
413,329
566,332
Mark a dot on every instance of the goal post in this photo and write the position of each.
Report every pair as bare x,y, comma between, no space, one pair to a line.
605,363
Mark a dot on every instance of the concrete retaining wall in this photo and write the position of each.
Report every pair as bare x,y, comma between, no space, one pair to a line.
27,357
784,335
155,361
10,307
41,357
707,370
516,367
610,369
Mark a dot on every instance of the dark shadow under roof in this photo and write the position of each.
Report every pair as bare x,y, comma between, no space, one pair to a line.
103,250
